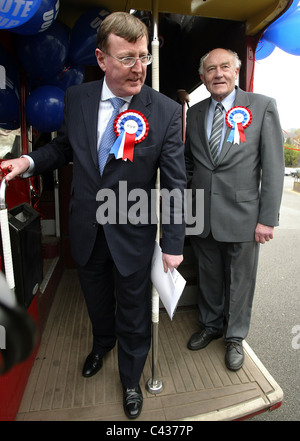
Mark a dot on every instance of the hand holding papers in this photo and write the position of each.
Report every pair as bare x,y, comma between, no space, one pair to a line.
168,285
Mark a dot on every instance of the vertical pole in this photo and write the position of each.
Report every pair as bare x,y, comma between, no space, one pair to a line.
6,244
155,47
154,384
56,196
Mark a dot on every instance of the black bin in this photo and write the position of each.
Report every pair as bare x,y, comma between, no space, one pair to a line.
26,246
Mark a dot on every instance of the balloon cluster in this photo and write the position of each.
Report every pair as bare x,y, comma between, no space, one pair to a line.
283,33
54,58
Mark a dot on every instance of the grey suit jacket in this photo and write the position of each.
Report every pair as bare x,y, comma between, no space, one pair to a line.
131,245
245,186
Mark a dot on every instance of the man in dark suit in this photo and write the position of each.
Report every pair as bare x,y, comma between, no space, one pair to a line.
125,241
238,161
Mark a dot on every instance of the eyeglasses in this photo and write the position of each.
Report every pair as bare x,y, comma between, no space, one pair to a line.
130,61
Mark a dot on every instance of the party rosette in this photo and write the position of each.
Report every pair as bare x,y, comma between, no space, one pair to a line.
238,118
131,127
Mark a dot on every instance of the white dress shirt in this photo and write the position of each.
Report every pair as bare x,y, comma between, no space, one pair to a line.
106,110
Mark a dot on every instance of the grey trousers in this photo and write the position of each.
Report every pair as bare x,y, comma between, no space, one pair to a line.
226,282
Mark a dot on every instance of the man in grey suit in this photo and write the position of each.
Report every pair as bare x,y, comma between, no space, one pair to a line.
236,155
150,124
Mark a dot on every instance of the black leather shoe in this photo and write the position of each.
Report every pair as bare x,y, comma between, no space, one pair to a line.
201,339
234,358
132,401
92,365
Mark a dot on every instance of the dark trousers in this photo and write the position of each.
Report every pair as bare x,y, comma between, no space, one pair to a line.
119,309
227,277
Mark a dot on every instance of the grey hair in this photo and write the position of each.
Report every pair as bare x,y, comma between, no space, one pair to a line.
237,61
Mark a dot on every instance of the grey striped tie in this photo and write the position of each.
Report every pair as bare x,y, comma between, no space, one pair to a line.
216,132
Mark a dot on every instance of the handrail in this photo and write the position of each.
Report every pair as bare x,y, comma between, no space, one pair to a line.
154,384
5,235
3,186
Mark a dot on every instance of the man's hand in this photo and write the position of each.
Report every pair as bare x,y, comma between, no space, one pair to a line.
170,261
263,233
183,96
14,167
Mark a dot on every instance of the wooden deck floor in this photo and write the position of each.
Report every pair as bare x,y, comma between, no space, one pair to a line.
197,385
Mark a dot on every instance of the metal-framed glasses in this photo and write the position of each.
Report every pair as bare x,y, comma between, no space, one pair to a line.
130,61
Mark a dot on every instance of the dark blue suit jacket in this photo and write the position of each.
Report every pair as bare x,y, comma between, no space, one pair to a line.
131,245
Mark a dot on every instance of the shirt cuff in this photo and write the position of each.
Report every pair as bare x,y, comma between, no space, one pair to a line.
30,170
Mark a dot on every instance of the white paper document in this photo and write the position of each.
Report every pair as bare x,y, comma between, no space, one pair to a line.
169,285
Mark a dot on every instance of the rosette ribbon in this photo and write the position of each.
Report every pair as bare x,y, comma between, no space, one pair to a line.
131,127
238,118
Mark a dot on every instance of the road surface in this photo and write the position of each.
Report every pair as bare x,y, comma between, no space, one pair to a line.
275,327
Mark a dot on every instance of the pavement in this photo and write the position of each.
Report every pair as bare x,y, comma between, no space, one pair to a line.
275,326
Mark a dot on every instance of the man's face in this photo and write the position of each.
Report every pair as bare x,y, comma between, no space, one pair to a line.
220,74
123,81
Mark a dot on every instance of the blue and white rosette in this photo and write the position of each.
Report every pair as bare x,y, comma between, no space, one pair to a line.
238,118
131,127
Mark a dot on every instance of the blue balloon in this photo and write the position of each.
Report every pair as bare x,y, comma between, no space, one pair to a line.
44,108
68,76
285,33
14,13
263,49
84,37
12,125
293,6
9,91
42,19
43,55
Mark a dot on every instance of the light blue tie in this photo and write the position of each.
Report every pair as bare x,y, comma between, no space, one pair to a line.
109,135
216,132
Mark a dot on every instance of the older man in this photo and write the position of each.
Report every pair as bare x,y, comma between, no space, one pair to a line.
101,164
234,151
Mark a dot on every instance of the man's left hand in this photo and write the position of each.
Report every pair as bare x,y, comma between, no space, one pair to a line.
263,233
170,261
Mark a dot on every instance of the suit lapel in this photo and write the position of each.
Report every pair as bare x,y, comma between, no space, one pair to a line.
90,107
142,102
201,122
242,100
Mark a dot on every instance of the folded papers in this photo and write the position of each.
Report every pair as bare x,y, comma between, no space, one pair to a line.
169,285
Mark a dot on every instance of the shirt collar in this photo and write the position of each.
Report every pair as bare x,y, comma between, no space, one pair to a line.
227,102
107,93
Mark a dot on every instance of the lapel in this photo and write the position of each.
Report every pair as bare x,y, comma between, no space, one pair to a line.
142,101
201,118
201,121
241,99
200,129
90,106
